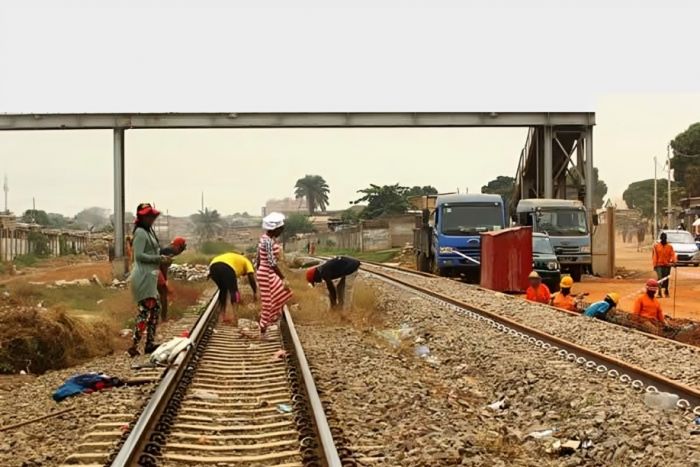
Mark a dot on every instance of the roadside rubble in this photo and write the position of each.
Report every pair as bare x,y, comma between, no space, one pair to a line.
189,272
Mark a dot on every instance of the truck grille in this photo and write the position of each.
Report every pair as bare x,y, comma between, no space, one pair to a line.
567,250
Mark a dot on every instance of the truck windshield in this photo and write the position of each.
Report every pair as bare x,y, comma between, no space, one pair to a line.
469,219
542,246
562,222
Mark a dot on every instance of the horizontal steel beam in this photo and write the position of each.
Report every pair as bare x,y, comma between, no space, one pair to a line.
291,120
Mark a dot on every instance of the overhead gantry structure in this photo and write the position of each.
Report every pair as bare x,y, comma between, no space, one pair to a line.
552,140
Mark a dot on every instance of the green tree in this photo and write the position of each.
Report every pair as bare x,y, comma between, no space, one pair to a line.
350,216
39,244
640,195
421,191
93,218
686,147
297,224
501,185
207,224
35,216
315,189
383,200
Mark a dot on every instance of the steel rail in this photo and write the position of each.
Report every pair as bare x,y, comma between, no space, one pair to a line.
650,379
323,430
135,443
553,308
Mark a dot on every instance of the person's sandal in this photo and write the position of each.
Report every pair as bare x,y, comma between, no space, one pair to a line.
133,352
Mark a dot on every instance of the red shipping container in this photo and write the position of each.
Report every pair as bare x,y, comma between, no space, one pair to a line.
506,259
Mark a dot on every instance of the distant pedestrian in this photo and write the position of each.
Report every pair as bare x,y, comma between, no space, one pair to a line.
274,288
663,257
144,277
339,267
600,309
537,292
647,306
641,233
176,247
312,248
225,270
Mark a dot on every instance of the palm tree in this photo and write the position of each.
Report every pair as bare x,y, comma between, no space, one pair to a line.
315,189
207,224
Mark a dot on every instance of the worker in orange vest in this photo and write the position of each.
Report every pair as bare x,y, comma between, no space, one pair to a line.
647,306
663,257
563,299
537,292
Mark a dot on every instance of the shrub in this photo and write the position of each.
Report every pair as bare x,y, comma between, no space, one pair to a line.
216,247
39,244
26,260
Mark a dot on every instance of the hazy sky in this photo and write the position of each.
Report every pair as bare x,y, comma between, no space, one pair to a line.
632,64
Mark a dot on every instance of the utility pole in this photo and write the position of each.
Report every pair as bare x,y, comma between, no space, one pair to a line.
202,201
668,162
656,219
6,188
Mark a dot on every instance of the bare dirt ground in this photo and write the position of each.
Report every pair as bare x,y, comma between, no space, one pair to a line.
685,284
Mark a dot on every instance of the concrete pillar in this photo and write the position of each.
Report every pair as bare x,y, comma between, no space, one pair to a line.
589,169
548,175
119,206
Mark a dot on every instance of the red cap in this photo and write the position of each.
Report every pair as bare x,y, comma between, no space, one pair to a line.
145,209
179,242
310,275
653,284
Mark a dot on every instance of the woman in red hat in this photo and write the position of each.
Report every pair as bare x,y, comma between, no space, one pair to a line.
144,277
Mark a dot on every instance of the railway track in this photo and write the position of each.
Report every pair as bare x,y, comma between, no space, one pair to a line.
227,400
635,376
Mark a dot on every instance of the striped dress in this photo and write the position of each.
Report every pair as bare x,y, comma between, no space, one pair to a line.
272,293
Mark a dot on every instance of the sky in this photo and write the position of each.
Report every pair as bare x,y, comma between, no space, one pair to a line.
632,64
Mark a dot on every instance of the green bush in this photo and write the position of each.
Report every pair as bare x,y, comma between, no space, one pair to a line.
39,244
26,260
216,248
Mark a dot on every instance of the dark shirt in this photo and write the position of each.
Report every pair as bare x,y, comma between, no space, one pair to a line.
335,268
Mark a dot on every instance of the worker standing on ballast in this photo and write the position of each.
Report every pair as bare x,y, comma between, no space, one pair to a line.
339,267
647,306
537,292
664,257
563,299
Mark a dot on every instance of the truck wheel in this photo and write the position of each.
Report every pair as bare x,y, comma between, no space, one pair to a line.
576,273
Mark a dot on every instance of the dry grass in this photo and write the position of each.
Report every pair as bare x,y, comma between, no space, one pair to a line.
73,323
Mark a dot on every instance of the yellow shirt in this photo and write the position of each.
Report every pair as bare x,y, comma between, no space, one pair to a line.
239,263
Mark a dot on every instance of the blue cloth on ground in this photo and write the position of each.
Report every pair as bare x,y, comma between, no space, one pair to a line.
86,382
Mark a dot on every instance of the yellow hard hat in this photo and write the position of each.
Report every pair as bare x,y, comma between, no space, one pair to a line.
566,282
615,297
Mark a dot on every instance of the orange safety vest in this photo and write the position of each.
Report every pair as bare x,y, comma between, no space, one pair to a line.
663,255
564,302
649,308
541,295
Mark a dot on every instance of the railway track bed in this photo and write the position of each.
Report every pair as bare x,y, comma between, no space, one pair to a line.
394,408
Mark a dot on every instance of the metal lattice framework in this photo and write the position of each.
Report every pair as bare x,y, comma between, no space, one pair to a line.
546,159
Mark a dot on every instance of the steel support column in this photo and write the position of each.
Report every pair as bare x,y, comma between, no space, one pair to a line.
589,169
119,206
548,175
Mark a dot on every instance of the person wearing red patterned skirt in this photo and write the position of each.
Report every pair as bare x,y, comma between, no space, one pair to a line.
274,289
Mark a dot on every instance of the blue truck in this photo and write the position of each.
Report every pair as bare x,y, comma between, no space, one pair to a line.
447,240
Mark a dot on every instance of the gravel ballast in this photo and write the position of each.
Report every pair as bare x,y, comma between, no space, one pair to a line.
674,360
395,408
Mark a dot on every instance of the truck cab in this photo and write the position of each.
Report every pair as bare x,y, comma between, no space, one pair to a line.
450,242
566,224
